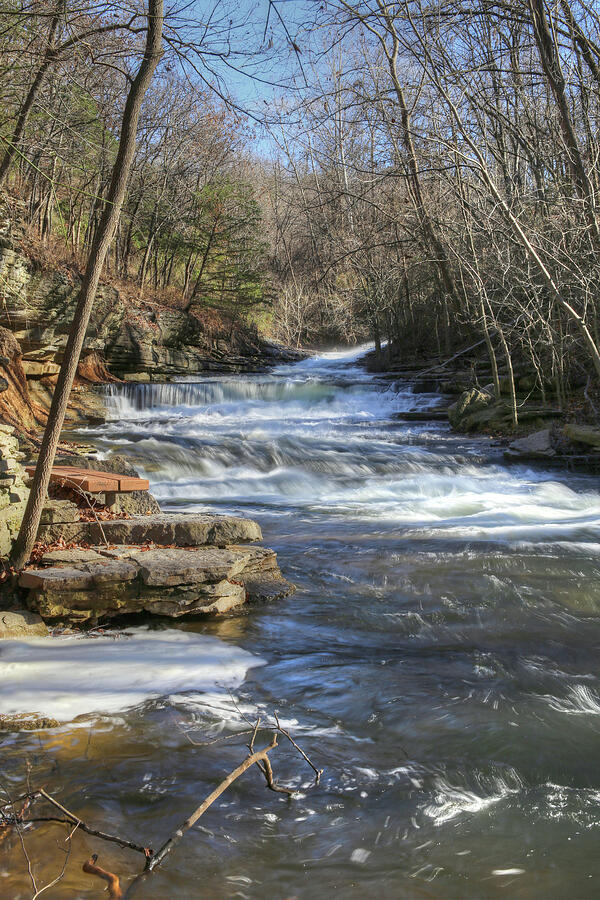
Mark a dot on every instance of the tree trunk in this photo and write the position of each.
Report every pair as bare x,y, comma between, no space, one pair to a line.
102,239
553,71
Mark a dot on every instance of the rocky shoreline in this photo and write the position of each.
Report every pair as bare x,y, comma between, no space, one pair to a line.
92,567
559,437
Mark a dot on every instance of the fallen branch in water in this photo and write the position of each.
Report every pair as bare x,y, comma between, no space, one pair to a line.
15,820
155,861
73,819
114,886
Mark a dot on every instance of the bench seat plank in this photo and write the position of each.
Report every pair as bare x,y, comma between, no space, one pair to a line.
95,482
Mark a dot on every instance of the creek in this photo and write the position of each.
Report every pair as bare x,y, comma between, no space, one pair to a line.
439,659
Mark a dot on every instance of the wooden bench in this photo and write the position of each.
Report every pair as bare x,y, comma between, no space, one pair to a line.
110,484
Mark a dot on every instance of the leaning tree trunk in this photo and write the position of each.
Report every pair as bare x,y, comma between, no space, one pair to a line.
102,239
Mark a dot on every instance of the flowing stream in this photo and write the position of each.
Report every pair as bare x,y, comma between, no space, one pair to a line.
440,659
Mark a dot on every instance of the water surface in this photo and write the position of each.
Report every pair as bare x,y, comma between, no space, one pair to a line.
439,659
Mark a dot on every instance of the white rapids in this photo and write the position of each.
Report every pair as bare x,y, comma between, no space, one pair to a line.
322,437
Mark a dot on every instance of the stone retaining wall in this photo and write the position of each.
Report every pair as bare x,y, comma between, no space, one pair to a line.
13,489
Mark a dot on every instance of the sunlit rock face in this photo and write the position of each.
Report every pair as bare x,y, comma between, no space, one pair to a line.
13,489
204,576
137,339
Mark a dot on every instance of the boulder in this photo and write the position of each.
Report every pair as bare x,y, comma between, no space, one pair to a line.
534,446
466,413
21,623
583,434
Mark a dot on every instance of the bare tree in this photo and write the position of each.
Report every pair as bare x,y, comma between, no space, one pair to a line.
103,237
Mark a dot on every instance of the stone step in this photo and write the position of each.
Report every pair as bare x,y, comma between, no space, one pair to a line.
184,530
99,583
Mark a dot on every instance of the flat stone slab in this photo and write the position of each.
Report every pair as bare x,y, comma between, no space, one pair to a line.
108,571
256,559
180,530
89,585
56,579
21,623
70,557
59,511
167,566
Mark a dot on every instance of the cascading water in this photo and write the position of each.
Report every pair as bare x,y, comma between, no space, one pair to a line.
439,660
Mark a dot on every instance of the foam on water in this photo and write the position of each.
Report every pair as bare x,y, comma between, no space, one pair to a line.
452,800
66,677
581,701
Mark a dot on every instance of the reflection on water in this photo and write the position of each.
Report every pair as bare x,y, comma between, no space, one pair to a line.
440,658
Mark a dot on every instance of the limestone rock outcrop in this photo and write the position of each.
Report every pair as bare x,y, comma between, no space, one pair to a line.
179,530
13,489
17,624
132,335
85,586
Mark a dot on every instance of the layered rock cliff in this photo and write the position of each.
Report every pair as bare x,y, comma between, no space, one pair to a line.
128,337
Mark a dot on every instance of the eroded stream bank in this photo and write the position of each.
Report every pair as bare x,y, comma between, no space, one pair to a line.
440,658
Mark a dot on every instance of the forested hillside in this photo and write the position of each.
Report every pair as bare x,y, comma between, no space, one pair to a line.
430,180
446,160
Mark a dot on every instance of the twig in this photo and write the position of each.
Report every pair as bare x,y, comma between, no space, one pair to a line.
62,871
286,734
155,861
71,817
79,490
266,768
114,887
318,772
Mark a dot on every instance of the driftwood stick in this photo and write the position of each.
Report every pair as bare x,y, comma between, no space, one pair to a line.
123,842
280,728
166,848
155,861
114,887
95,832
267,770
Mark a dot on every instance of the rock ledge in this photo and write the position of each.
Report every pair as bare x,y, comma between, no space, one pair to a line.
86,586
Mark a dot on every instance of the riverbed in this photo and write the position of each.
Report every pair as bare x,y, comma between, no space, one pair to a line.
439,659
